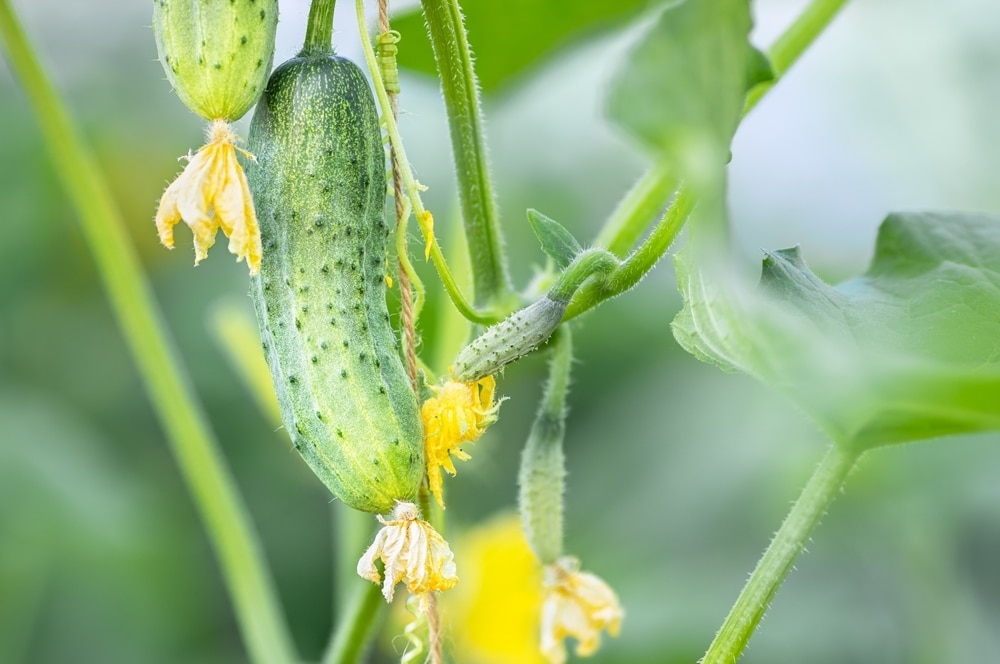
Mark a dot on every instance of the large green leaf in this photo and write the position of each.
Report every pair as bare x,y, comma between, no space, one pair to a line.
910,350
681,91
509,38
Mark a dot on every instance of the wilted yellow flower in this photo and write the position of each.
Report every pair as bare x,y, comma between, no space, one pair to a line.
457,413
412,552
577,604
211,193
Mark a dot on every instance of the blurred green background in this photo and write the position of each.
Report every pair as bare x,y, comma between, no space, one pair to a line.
678,474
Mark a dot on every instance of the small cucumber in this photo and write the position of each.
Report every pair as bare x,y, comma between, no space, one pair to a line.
216,53
319,185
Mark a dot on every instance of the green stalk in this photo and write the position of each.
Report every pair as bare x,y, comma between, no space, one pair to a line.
319,28
357,625
793,42
360,604
588,263
777,561
191,440
641,204
412,188
490,280
632,270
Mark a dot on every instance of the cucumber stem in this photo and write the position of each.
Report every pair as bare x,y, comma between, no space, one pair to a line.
777,561
357,625
635,267
465,118
319,28
424,218
634,212
186,427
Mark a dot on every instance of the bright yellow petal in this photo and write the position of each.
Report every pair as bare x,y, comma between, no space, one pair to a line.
457,413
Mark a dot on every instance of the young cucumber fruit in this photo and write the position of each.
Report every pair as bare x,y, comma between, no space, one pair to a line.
319,186
216,53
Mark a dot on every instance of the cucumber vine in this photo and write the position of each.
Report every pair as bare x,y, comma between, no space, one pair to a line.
376,422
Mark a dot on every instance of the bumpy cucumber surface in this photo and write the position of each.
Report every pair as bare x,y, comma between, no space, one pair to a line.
216,53
319,187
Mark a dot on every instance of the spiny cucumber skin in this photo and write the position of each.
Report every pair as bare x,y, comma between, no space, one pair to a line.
319,188
216,53
509,340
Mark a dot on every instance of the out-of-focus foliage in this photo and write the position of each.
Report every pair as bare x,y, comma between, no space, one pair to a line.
510,38
680,92
678,473
906,352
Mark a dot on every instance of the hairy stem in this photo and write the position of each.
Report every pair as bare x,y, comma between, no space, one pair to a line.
412,188
319,28
588,263
777,561
632,270
641,204
475,185
192,442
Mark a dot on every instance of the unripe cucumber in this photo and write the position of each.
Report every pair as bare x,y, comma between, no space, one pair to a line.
216,53
319,186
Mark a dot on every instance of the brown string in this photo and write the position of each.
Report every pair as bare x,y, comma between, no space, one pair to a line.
409,333
405,292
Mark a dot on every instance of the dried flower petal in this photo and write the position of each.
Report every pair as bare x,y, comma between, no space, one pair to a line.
412,552
211,193
457,413
577,604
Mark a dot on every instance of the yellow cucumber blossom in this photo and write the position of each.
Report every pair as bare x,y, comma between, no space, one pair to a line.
577,604
412,552
212,193
457,413
494,614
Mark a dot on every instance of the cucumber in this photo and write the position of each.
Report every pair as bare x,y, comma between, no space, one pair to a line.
216,53
319,185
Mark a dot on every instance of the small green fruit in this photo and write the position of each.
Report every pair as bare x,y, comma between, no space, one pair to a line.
216,53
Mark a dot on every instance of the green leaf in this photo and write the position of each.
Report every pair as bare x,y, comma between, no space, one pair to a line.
681,90
557,242
910,350
509,38
759,69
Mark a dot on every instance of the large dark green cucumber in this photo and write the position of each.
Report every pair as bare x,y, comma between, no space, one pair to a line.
319,186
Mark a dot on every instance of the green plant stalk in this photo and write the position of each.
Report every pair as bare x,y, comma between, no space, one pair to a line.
634,268
357,626
214,492
777,561
319,28
424,218
641,204
793,42
465,119
588,263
